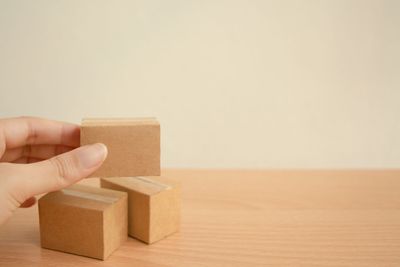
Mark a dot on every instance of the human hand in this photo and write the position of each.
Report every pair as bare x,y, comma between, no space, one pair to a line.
52,157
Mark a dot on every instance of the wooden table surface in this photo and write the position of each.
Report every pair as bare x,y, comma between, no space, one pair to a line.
252,218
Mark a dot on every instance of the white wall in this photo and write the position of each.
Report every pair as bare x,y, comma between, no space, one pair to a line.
236,84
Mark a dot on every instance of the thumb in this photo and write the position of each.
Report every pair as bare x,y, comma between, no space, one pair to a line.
60,171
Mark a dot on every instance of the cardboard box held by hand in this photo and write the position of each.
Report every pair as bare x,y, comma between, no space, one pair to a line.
133,145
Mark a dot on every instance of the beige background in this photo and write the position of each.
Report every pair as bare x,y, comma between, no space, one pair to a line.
236,84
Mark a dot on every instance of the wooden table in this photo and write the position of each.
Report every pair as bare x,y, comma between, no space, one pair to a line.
252,218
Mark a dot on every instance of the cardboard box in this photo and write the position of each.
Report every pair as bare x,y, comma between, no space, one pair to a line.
83,220
153,205
133,145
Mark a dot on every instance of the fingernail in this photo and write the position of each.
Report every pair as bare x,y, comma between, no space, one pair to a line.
92,155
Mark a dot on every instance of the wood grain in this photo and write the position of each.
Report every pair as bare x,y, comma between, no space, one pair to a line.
252,218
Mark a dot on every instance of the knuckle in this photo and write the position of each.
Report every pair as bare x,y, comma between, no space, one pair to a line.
65,169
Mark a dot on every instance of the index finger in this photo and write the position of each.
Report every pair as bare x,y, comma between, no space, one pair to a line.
17,132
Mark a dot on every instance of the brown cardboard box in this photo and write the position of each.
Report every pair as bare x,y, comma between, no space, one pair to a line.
153,205
83,220
133,145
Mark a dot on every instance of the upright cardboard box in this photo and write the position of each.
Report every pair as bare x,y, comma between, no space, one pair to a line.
153,205
133,145
83,220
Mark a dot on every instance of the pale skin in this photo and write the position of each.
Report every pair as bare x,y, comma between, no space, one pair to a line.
39,156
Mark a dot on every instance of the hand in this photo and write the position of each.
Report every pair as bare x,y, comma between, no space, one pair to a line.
53,160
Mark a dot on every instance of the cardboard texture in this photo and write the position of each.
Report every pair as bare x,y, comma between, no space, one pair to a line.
83,220
153,205
133,145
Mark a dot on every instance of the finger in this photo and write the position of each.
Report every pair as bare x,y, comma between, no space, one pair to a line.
28,203
34,151
17,132
57,172
26,160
